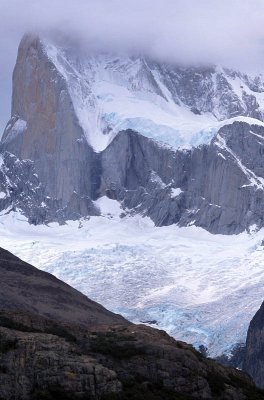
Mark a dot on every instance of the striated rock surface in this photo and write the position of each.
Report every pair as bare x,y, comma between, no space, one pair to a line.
45,353
218,186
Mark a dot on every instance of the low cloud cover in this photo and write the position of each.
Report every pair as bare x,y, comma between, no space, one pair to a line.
228,32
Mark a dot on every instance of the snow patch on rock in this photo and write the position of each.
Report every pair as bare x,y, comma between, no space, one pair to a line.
108,207
175,192
16,129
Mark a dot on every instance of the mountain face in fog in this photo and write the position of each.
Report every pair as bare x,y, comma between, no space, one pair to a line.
181,145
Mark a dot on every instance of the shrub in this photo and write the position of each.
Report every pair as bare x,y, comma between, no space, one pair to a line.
216,383
7,344
56,330
116,345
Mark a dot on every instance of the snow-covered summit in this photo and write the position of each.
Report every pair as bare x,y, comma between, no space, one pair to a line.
179,106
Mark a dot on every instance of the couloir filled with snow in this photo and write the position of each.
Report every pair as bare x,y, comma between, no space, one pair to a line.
199,287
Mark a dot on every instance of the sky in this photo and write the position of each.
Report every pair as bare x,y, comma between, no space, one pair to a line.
227,32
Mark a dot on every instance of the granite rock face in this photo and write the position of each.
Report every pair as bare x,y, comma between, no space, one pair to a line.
51,172
44,129
218,187
56,343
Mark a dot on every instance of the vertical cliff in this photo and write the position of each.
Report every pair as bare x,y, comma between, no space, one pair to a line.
45,129
218,186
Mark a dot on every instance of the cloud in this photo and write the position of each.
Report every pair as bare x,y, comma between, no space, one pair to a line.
229,32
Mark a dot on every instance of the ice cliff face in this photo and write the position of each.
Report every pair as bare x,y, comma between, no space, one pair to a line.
100,124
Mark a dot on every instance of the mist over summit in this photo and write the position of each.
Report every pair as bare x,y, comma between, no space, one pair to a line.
228,33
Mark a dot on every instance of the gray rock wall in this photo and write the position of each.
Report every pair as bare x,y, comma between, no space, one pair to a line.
254,356
221,189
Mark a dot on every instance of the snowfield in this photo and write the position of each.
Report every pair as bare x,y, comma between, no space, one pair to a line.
199,287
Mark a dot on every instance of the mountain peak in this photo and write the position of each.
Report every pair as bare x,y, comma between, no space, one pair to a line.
100,124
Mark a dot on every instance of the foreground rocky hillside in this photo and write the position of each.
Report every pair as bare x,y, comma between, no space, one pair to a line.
25,288
61,152
57,344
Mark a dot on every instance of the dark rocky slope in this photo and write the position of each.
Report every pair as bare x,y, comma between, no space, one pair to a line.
27,289
254,356
57,344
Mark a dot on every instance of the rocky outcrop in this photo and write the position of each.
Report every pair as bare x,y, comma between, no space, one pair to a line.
64,346
35,365
254,356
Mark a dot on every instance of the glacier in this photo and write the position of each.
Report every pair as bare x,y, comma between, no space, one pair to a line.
199,287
